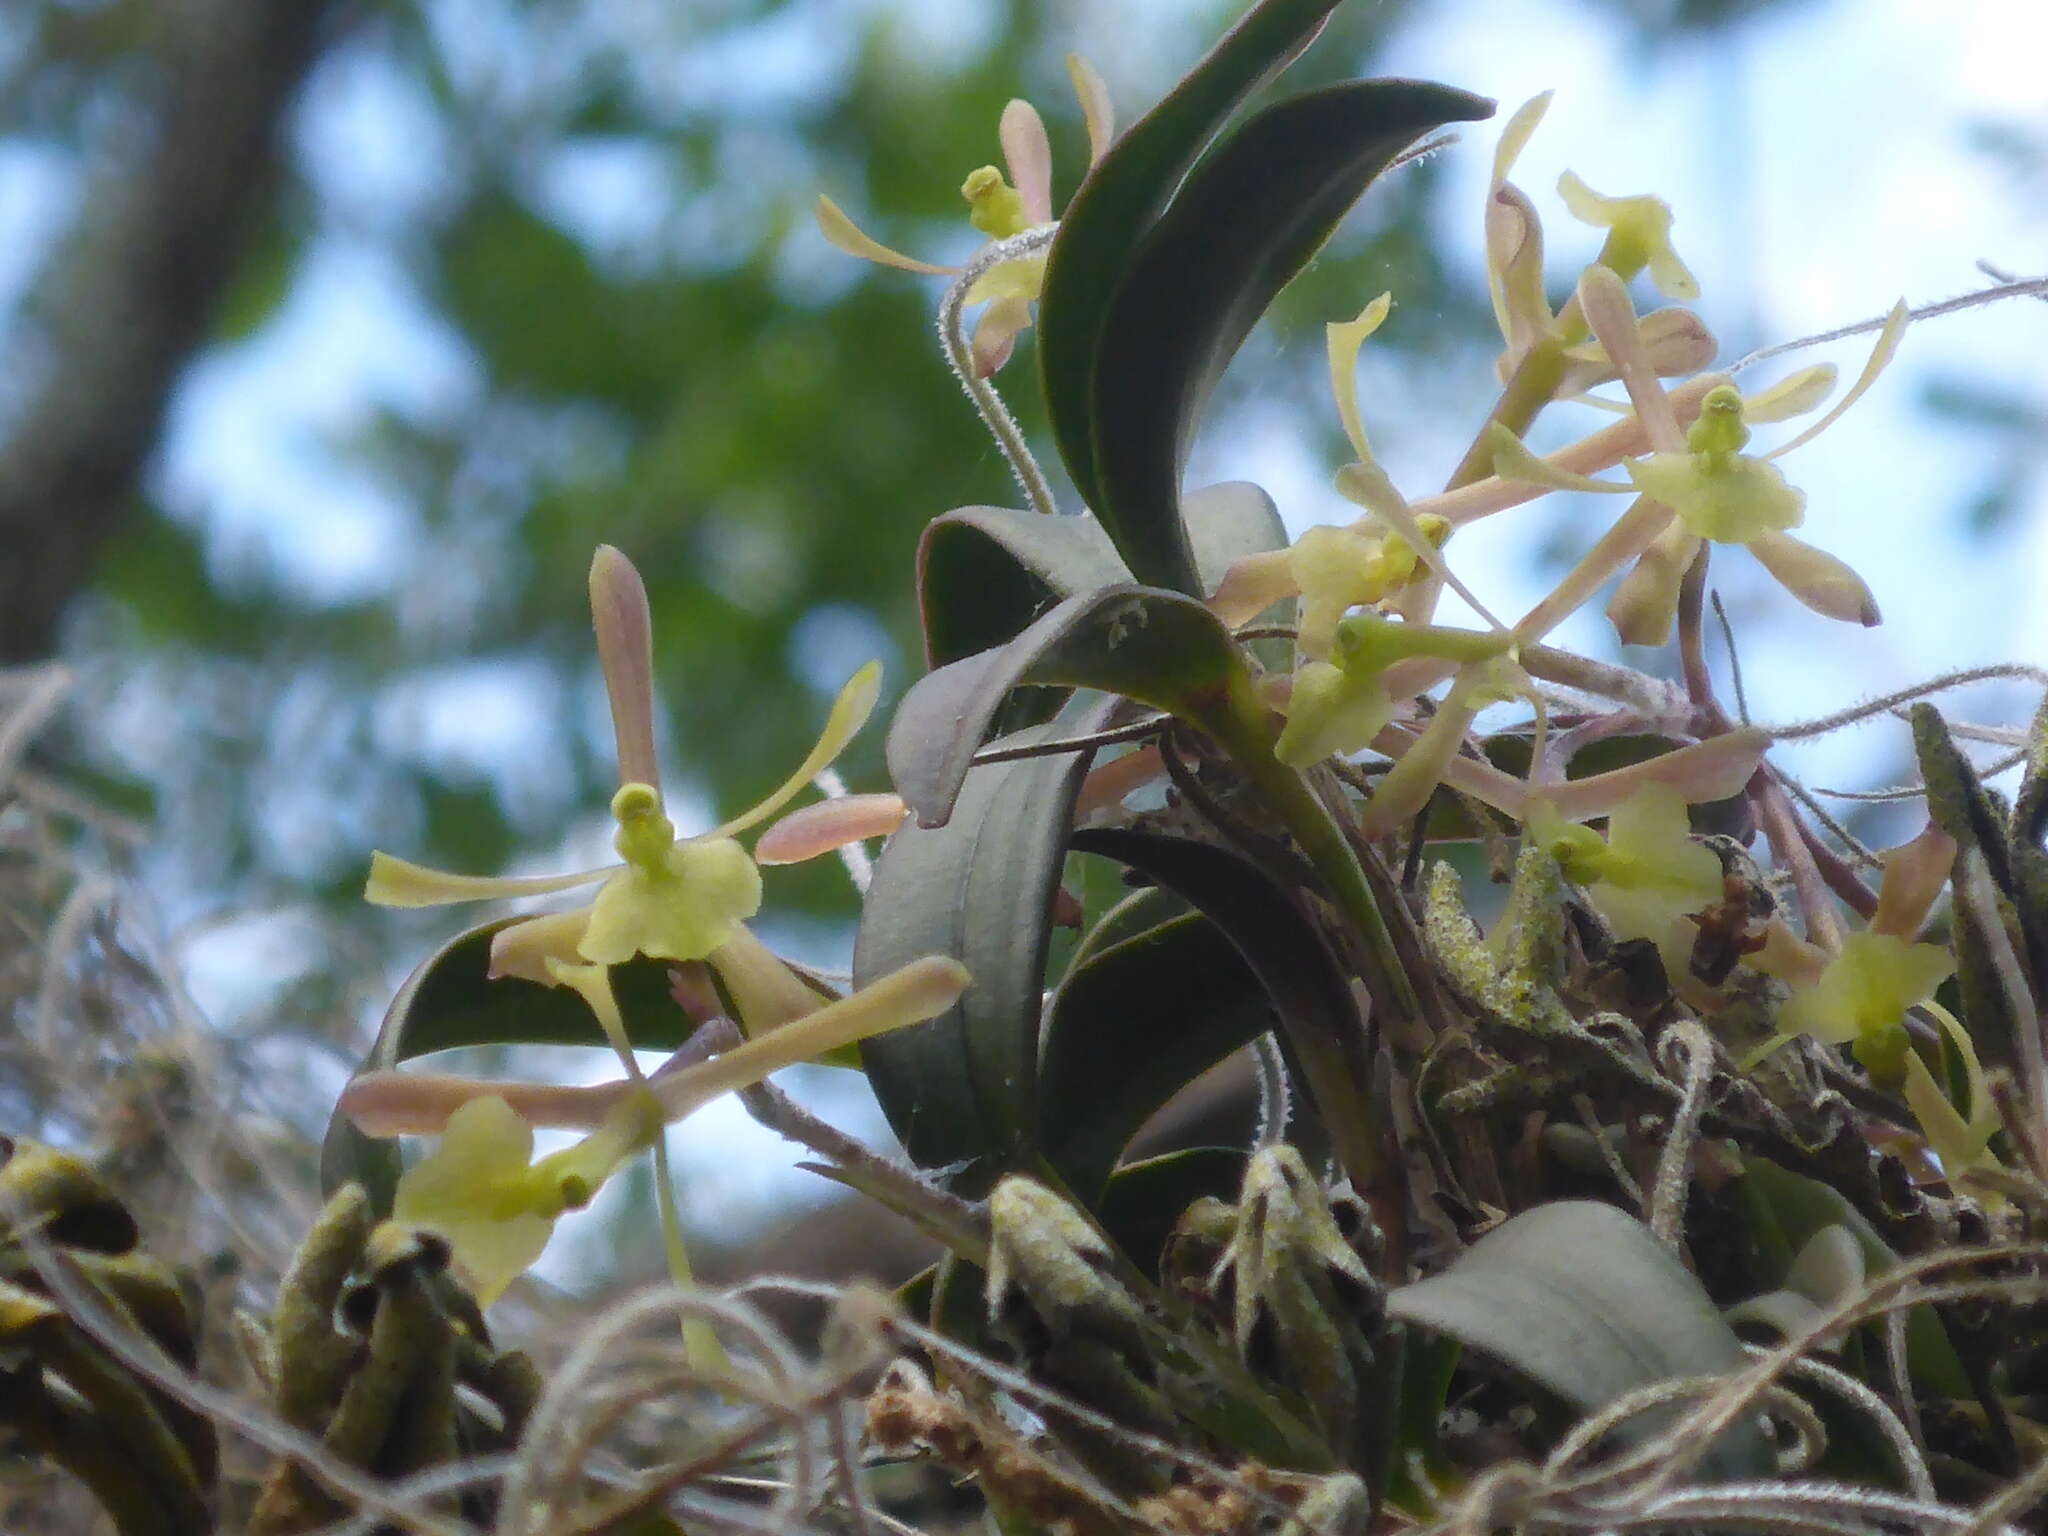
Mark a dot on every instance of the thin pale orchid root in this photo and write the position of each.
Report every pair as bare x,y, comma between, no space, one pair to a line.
1688,1040
959,353
1824,724
2032,287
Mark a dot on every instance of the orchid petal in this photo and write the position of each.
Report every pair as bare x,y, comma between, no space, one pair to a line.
1633,532
850,712
1713,769
1253,584
593,983
473,1189
682,910
1823,583
766,994
1028,153
915,992
812,830
1731,499
996,333
1331,713
1676,341
1639,234
852,239
1097,111
525,949
1406,787
387,1103
1914,874
625,654
1343,341
1604,300
1512,460
1516,133
1514,273
1018,281
1369,487
1793,395
1880,355
396,882
1645,605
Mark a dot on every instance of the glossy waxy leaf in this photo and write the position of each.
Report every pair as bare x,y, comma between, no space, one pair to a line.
985,572
1155,647
960,1090
1131,1025
1123,196
1579,1298
451,1000
1248,218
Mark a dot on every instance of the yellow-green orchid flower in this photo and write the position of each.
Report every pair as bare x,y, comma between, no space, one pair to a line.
1647,876
1961,1142
480,1188
1638,235
1861,997
1001,209
1699,485
1338,707
671,898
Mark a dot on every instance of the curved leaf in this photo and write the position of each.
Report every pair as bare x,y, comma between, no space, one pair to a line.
1130,1027
1580,1299
1156,647
451,1000
1309,991
960,1089
1123,195
985,572
1247,219
1137,914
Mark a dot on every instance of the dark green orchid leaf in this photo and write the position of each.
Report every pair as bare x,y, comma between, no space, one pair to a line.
1248,218
985,572
1579,1298
1309,992
1121,198
960,1089
451,1000
1156,647
1143,1200
1138,913
1130,1026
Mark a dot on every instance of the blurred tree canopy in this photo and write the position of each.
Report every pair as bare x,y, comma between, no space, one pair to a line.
599,214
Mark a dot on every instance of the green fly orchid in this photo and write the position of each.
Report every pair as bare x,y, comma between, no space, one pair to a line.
1001,208
671,898
480,1187
1647,876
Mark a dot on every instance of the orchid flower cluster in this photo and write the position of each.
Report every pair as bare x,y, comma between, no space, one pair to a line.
1369,656
681,899
1373,673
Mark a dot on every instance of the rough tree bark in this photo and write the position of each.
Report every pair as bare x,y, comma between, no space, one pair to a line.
129,295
